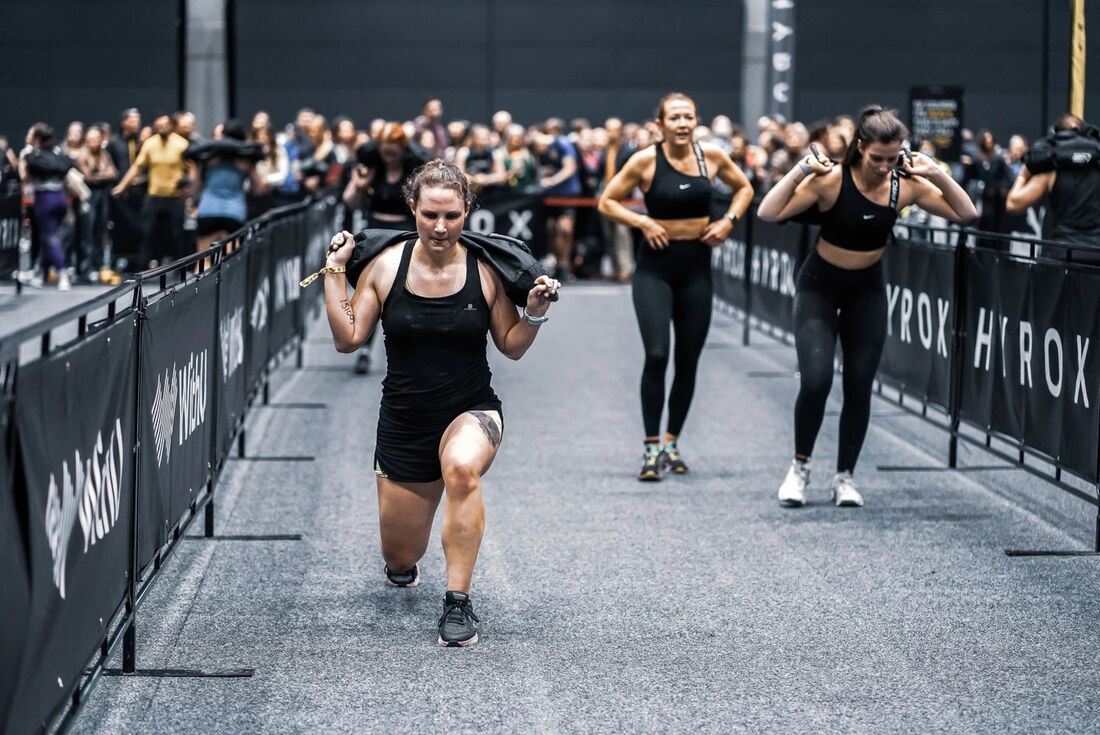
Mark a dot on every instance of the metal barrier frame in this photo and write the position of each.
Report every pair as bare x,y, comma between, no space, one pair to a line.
966,241
148,287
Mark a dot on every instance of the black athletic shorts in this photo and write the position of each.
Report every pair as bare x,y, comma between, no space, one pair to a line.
407,448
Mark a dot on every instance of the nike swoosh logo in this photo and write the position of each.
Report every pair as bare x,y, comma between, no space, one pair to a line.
684,186
868,216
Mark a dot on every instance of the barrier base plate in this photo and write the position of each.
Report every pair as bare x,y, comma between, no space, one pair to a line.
1049,552
248,537
185,673
287,458
944,468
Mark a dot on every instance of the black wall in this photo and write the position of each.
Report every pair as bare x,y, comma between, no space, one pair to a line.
62,60
852,52
536,58
65,60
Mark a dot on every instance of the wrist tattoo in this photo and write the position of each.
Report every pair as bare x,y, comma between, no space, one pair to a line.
346,306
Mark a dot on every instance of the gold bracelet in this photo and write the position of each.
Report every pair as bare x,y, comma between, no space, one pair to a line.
327,269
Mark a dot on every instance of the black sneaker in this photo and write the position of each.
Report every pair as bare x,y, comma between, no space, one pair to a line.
408,578
671,461
362,363
457,626
651,467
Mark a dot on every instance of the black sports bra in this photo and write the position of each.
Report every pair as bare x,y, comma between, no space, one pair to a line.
675,195
855,222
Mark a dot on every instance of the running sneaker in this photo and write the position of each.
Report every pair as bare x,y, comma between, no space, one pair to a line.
109,277
792,493
457,626
651,465
671,461
408,578
844,491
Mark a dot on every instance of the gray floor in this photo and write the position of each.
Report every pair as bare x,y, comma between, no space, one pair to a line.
695,605
36,304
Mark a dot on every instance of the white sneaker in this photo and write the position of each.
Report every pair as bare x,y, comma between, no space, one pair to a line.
63,283
844,491
792,493
30,278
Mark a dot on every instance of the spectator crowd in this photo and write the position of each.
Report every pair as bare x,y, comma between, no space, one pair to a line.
106,200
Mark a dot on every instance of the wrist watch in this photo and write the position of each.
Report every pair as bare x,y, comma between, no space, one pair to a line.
731,217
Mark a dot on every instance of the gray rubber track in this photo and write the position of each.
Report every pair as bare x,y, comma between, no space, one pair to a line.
693,605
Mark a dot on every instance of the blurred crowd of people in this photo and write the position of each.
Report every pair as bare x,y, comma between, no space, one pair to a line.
108,200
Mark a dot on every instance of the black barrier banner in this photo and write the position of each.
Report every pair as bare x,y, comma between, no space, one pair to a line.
1074,378
777,253
1030,369
11,220
997,294
177,363
74,420
920,318
728,267
1032,222
285,243
511,213
258,310
14,579
231,374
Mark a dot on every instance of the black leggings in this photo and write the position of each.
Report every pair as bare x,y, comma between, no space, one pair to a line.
671,285
832,301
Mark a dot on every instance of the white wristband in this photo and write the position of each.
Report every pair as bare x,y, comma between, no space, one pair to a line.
534,321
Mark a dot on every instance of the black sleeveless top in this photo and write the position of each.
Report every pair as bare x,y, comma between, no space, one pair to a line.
479,163
674,195
435,348
1075,204
855,222
387,198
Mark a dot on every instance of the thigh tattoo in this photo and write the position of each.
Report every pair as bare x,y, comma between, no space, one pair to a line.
492,431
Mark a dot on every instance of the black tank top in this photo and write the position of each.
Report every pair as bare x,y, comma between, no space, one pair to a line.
857,223
435,348
674,195
1075,204
387,198
479,163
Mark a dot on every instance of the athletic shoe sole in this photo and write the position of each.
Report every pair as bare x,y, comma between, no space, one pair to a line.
416,580
458,644
649,477
847,503
792,503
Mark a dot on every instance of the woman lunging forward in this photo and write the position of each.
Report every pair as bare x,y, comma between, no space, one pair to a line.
440,423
